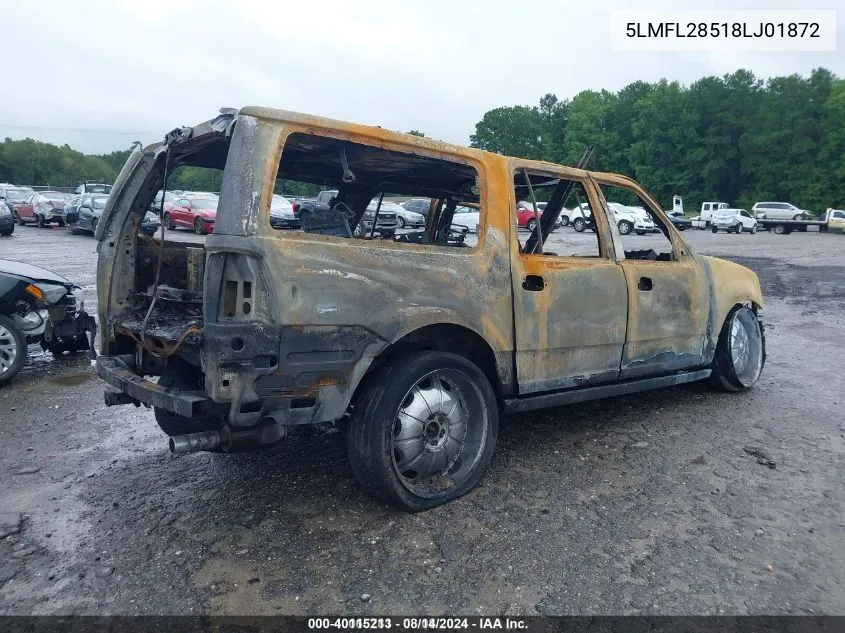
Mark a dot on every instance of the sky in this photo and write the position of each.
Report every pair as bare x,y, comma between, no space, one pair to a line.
99,75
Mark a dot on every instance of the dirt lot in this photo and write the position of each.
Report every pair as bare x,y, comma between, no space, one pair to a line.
648,503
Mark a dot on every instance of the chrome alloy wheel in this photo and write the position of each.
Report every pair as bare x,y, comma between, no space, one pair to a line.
8,350
435,442
746,347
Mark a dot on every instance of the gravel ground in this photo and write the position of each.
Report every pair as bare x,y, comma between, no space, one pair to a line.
652,503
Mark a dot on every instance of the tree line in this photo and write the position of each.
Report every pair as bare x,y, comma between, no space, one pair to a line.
735,138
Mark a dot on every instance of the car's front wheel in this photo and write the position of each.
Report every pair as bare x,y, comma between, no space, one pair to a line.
12,349
40,220
19,219
400,222
579,225
199,227
753,229
564,220
625,227
714,229
423,430
740,352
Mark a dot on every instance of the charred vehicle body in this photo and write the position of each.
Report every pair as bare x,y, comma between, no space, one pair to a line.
40,306
416,343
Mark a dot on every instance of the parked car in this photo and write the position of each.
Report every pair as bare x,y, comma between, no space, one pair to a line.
468,217
525,218
84,212
11,195
282,215
418,205
386,222
43,208
169,198
191,212
404,217
7,220
92,187
631,219
40,306
679,220
417,348
780,211
732,221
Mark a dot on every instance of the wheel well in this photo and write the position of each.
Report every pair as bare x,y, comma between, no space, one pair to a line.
446,337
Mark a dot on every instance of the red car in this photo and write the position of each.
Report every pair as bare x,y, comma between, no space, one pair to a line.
525,215
191,212
43,208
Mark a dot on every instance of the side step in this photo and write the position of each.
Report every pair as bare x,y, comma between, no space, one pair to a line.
560,398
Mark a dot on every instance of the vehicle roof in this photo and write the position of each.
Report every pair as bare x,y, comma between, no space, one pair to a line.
313,121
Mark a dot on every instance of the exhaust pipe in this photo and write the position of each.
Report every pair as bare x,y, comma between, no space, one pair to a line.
193,442
269,432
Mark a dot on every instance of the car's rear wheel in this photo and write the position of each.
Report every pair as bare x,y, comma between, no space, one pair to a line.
18,218
625,227
94,226
12,350
199,227
168,222
40,220
532,225
740,352
579,225
423,430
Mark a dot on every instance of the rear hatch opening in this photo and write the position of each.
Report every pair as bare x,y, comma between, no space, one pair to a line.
176,320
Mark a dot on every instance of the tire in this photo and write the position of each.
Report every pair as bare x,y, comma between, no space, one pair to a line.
532,225
405,471
740,352
199,227
19,219
168,222
93,226
579,225
12,350
799,216
8,231
564,220
779,229
40,220
625,227
60,222
714,229
739,229
753,229
400,222
181,376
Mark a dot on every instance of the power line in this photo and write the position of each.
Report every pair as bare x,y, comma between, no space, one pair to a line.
76,129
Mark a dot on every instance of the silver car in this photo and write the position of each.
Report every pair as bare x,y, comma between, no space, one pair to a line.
779,211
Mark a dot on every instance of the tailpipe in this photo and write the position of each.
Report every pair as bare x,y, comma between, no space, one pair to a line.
193,442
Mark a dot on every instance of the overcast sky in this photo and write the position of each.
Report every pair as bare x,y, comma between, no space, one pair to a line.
98,75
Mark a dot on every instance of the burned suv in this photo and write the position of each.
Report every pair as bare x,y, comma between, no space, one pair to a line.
415,343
